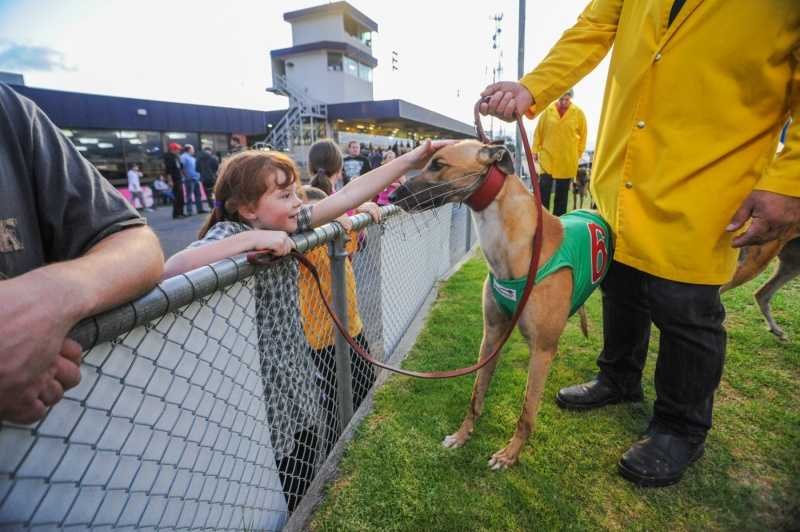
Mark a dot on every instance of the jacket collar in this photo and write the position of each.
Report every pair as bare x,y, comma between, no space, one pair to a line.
688,8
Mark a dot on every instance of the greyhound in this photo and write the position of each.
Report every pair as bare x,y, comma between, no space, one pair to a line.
505,226
754,259
580,187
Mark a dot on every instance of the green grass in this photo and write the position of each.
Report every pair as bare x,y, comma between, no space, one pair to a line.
397,476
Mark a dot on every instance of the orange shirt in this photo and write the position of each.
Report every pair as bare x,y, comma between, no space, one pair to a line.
317,324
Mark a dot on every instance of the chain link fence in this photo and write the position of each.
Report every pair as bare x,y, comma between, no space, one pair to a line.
201,408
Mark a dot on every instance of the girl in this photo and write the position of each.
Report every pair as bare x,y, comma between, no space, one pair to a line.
319,328
383,197
325,164
256,207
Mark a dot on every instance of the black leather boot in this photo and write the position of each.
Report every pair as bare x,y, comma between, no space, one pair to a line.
594,394
659,459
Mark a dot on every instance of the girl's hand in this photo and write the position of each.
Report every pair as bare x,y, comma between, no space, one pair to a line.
345,221
276,242
372,209
419,156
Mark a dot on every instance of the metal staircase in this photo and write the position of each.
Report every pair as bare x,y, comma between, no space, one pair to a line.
299,126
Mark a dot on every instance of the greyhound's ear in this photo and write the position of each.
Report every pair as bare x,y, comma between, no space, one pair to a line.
497,155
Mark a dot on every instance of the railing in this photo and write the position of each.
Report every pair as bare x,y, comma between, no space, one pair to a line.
195,411
302,109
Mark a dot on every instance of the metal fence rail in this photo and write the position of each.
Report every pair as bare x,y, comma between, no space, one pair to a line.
197,410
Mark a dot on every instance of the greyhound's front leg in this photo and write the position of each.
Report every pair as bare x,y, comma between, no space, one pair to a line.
537,375
494,325
541,325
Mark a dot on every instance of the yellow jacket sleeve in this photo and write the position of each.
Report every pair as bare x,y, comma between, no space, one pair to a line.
578,51
538,135
581,135
783,174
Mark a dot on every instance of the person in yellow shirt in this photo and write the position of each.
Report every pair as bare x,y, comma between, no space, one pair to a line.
558,144
696,95
319,328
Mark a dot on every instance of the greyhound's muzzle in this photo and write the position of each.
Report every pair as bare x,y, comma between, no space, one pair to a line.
417,195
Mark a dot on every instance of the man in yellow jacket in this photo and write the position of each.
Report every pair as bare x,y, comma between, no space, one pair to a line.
558,144
696,95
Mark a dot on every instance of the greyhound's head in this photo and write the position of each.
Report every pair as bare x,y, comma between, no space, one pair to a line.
452,175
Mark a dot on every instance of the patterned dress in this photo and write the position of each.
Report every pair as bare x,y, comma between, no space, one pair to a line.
290,390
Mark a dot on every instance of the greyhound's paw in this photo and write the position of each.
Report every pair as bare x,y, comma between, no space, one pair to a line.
454,441
779,333
502,459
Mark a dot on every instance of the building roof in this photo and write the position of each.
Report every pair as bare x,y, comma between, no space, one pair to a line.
334,8
390,111
94,111
350,51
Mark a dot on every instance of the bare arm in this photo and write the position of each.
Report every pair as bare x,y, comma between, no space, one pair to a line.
276,241
370,184
40,307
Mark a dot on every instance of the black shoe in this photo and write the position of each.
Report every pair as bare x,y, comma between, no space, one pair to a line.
660,459
203,212
593,394
178,216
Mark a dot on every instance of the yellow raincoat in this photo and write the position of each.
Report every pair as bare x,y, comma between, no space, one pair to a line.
560,140
690,121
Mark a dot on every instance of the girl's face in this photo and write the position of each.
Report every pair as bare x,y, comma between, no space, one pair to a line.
277,208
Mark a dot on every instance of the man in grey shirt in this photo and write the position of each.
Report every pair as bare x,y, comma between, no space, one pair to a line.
70,247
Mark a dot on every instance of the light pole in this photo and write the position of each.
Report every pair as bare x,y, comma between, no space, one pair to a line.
520,73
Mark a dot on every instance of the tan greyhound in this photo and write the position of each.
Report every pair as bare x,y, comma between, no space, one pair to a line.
754,260
505,228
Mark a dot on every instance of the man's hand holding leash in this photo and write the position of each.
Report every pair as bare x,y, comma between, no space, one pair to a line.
505,98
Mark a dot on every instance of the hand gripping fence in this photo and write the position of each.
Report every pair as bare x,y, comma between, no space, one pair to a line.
195,412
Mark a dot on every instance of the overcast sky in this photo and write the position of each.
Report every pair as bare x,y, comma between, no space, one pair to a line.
217,53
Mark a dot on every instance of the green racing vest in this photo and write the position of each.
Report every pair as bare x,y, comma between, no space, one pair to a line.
586,249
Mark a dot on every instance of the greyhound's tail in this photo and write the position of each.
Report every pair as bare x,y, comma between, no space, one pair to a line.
584,322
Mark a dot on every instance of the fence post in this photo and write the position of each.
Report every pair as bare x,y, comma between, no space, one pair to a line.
344,388
469,230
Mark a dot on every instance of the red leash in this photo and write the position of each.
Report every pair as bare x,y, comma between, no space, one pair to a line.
263,258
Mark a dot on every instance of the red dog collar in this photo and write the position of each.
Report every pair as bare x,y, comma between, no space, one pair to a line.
488,191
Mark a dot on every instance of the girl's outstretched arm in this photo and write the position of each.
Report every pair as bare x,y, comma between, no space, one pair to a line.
370,184
194,257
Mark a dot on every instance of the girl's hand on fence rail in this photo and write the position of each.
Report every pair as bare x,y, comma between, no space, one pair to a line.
277,242
372,209
345,221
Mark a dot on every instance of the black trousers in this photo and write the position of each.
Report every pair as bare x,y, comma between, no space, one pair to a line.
177,204
691,350
546,183
296,470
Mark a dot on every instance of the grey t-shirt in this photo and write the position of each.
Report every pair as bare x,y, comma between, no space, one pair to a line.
54,205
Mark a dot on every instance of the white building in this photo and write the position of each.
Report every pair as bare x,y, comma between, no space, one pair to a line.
327,76
331,54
